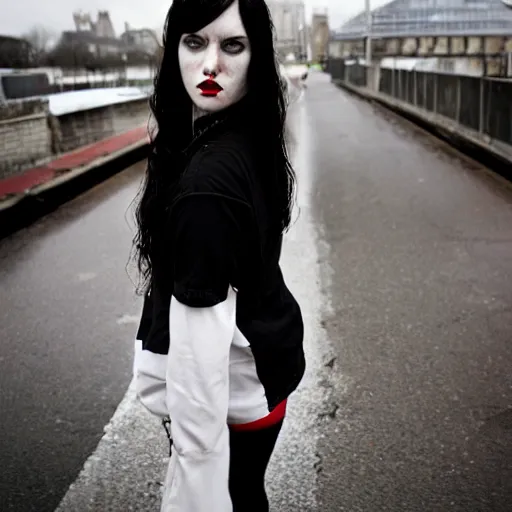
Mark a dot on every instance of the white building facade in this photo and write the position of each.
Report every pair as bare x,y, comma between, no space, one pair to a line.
289,19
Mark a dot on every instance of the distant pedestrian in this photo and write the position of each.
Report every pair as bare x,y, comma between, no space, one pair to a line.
220,344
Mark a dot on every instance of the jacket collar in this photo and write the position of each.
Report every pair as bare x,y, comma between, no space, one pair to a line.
231,114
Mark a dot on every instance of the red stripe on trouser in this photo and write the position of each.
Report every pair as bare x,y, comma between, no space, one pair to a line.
271,419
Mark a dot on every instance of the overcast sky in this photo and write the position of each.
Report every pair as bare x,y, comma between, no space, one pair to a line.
18,16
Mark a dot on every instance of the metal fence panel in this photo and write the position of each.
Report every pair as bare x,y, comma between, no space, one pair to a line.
481,104
411,87
447,95
386,81
470,102
402,85
336,68
499,110
430,88
357,75
421,90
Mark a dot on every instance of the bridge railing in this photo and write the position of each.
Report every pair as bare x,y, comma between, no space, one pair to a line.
481,104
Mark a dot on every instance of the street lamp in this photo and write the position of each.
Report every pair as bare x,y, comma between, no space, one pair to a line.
368,32
302,41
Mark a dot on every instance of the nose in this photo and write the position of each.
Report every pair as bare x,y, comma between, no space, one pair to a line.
211,62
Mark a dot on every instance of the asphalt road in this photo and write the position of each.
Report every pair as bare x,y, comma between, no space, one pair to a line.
67,339
401,258
419,275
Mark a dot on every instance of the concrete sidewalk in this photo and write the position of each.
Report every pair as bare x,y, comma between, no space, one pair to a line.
32,182
495,154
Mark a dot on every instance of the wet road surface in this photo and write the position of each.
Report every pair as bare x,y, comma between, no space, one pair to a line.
419,273
401,258
66,341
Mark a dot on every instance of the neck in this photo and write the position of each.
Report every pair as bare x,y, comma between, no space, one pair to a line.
197,113
202,119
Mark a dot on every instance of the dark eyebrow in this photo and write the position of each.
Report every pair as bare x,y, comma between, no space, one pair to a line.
235,37
197,34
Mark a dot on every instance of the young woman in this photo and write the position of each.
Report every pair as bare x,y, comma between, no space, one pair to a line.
219,346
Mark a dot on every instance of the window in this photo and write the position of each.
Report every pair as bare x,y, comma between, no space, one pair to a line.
25,86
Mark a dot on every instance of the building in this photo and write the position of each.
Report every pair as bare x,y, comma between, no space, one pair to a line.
474,23
320,35
98,38
15,52
94,45
443,17
98,46
142,41
291,30
103,27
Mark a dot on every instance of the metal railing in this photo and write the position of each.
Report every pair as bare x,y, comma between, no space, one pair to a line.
481,104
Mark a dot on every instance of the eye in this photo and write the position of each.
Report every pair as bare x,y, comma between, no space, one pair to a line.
233,46
193,42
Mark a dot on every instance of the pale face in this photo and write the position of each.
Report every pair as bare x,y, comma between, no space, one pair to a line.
214,62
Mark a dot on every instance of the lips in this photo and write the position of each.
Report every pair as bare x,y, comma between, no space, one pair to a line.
209,87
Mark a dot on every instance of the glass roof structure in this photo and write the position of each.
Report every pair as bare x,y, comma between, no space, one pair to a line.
432,18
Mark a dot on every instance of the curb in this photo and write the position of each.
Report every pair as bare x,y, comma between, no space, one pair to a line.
60,179
22,210
489,152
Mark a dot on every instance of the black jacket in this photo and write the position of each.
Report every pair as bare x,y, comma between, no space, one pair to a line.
220,238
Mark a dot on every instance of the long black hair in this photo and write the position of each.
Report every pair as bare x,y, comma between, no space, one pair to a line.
172,110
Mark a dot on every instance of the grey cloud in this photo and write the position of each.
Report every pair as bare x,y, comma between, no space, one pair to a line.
57,15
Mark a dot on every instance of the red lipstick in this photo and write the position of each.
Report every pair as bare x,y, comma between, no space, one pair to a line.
209,87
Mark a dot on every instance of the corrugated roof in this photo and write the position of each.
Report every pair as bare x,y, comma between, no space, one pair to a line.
432,17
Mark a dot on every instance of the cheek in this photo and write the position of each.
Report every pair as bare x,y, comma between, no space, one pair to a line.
189,66
237,69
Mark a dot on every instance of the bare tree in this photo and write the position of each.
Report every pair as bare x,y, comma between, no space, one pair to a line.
42,40
71,56
15,53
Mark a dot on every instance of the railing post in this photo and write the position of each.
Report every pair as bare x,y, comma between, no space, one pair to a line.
425,91
436,87
481,113
368,11
458,99
415,87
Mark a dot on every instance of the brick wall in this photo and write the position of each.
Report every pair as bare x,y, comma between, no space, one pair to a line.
22,109
25,139
82,128
129,115
29,135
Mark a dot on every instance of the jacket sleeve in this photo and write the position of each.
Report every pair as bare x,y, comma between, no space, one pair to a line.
202,325
149,368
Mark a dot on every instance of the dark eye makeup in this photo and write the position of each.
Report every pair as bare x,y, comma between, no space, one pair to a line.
193,42
232,46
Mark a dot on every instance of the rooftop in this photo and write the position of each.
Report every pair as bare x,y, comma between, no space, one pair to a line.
86,36
432,17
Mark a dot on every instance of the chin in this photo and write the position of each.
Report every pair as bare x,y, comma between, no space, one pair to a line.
210,105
